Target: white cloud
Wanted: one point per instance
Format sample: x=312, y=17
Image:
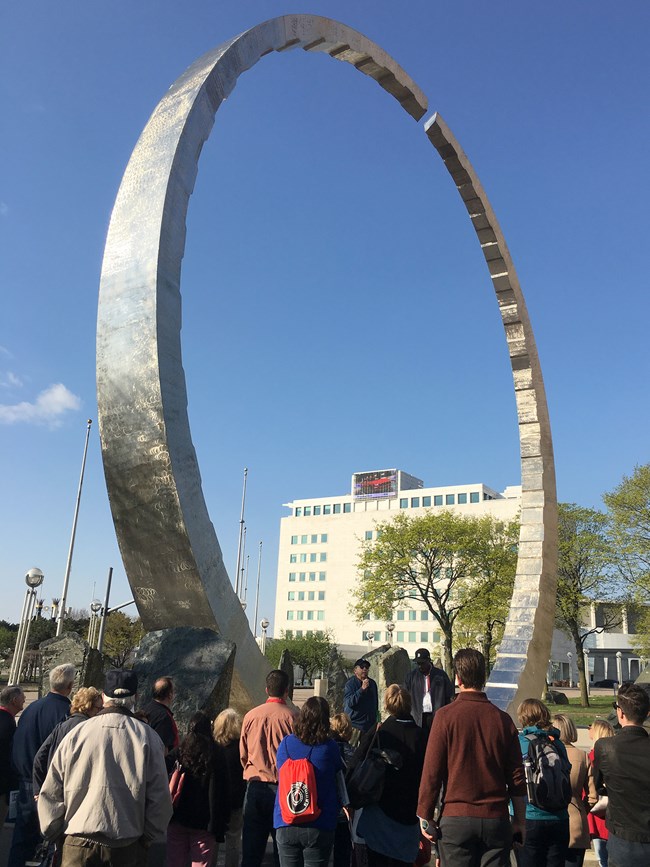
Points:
x=10, y=380
x=48, y=407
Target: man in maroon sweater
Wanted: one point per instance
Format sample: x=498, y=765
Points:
x=473, y=757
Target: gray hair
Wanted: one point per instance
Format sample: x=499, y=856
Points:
x=9, y=693
x=127, y=701
x=62, y=677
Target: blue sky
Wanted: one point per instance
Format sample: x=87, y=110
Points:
x=338, y=315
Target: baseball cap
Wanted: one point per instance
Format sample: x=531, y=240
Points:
x=422, y=653
x=120, y=683
x=362, y=663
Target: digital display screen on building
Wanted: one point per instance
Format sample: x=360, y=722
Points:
x=374, y=486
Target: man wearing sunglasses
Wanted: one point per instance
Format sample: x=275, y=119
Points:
x=623, y=764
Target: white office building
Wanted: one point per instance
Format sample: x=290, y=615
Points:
x=320, y=545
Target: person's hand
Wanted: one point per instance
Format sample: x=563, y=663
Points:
x=518, y=834
x=429, y=830
x=365, y=683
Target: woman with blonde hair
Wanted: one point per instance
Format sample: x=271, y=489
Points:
x=599, y=728
x=86, y=703
x=547, y=833
x=226, y=731
x=582, y=778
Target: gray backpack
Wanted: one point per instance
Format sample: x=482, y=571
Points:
x=548, y=774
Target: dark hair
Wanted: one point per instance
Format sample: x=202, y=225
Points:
x=312, y=725
x=634, y=701
x=277, y=683
x=162, y=688
x=469, y=665
x=196, y=753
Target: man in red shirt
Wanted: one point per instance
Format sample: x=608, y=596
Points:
x=262, y=730
x=473, y=757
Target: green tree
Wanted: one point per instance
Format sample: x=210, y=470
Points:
x=629, y=509
x=488, y=595
x=430, y=558
x=311, y=653
x=585, y=574
x=122, y=636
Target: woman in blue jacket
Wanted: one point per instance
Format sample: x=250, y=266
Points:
x=310, y=843
x=547, y=833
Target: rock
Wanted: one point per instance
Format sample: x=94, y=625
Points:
x=199, y=662
x=72, y=648
x=336, y=680
x=286, y=665
x=555, y=697
x=388, y=665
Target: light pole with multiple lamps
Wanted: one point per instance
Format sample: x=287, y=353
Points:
x=390, y=627
x=33, y=579
x=569, y=656
x=95, y=618
x=264, y=623
x=585, y=651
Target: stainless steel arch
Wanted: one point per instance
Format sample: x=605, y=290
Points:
x=170, y=550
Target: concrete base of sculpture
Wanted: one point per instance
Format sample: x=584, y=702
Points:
x=388, y=665
x=199, y=662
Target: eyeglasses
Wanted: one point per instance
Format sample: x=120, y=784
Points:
x=616, y=705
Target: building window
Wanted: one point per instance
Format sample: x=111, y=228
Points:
x=303, y=558
x=312, y=576
x=291, y=595
x=411, y=634
x=289, y=615
x=424, y=615
x=404, y=503
x=307, y=511
x=288, y=633
x=293, y=558
x=312, y=557
x=310, y=596
x=300, y=615
x=415, y=502
x=450, y=499
x=424, y=637
x=435, y=637
x=298, y=633
x=400, y=637
x=316, y=510
x=437, y=500
x=320, y=615
x=310, y=615
x=400, y=615
x=298, y=512
x=294, y=540
x=323, y=538
x=327, y=510
x=292, y=576
x=321, y=576
x=462, y=499
x=303, y=539
x=337, y=508
x=302, y=575
x=473, y=497
x=323, y=557
x=413, y=615
x=301, y=596
x=347, y=507
x=368, y=535
x=314, y=538
x=426, y=501
x=413, y=593
x=321, y=595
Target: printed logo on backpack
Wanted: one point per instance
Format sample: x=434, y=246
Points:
x=297, y=792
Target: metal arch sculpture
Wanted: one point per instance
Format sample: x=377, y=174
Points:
x=168, y=543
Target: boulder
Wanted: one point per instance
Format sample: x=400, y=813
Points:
x=72, y=648
x=555, y=697
x=199, y=662
x=388, y=664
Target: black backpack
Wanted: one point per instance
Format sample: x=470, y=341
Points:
x=548, y=774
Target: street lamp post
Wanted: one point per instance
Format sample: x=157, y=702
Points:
x=569, y=656
x=33, y=579
x=93, y=627
x=390, y=626
x=619, y=667
x=264, y=623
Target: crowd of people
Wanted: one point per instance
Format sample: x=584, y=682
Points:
x=444, y=776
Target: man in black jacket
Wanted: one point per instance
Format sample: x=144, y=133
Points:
x=159, y=713
x=430, y=689
x=12, y=701
x=624, y=763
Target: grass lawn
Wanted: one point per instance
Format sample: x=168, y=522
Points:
x=599, y=706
